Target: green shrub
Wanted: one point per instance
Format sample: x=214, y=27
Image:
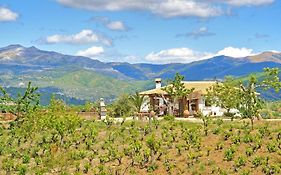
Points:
x=169, y=165
x=218, y=122
x=236, y=139
x=25, y=158
x=271, y=169
x=169, y=117
x=249, y=151
x=272, y=146
x=87, y=166
x=257, y=161
x=241, y=161
x=245, y=172
x=216, y=130
x=22, y=169
x=8, y=165
x=247, y=138
x=264, y=131
x=229, y=154
x=152, y=168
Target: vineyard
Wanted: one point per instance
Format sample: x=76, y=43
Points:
x=56, y=141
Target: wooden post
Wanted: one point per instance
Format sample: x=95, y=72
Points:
x=197, y=105
x=152, y=102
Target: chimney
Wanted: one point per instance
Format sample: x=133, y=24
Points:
x=102, y=109
x=158, y=83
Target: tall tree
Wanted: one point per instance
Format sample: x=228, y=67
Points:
x=177, y=91
x=137, y=101
x=250, y=100
x=224, y=95
x=122, y=107
x=243, y=96
x=22, y=104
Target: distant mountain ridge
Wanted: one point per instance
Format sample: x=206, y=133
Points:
x=88, y=79
x=216, y=67
x=31, y=58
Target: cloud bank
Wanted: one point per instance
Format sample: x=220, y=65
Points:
x=166, y=8
x=187, y=55
x=176, y=55
x=235, y=52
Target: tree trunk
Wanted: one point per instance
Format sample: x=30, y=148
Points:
x=252, y=123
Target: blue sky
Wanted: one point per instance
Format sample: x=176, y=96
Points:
x=156, y=31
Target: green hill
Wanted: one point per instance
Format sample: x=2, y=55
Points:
x=77, y=83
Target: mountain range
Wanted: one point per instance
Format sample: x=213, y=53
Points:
x=77, y=78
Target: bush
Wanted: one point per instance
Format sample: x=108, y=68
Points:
x=241, y=161
x=271, y=169
x=229, y=154
x=272, y=146
x=257, y=161
x=8, y=165
x=152, y=168
x=25, y=158
x=249, y=151
x=169, y=117
x=266, y=114
x=245, y=172
x=22, y=169
x=121, y=108
x=229, y=115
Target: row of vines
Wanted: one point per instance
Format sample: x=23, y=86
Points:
x=56, y=141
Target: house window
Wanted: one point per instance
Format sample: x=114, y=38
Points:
x=193, y=107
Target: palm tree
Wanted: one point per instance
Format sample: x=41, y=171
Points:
x=137, y=101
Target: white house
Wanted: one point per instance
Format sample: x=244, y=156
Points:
x=192, y=103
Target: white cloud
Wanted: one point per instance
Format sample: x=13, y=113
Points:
x=167, y=8
x=201, y=32
x=173, y=8
x=180, y=55
x=235, y=52
x=7, y=15
x=116, y=25
x=84, y=37
x=91, y=52
x=112, y=25
x=248, y=2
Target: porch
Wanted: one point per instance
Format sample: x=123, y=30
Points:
x=184, y=107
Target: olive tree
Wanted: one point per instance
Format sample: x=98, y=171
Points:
x=224, y=95
x=243, y=96
x=249, y=98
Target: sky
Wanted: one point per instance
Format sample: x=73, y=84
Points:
x=152, y=31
